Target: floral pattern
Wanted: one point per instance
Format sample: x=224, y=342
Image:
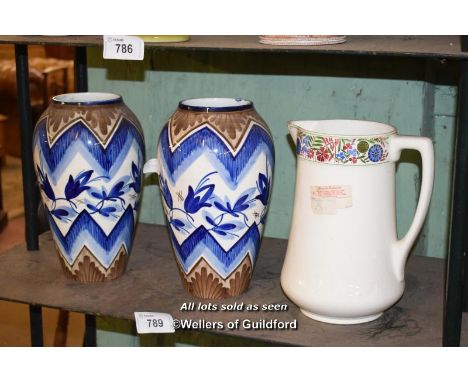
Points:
x=80, y=191
x=336, y=150
x=223, y=216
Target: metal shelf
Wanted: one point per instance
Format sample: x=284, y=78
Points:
x=152, y=283
x=410, y=46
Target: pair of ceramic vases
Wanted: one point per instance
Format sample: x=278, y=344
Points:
x=215, y=160
x=215, y=166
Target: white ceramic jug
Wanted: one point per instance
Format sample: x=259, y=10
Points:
x=344, y=263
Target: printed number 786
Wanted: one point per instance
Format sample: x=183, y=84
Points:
x=124, y=48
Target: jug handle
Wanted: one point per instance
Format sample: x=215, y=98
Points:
x=425, y=147
x=293, y=132
x=151, y=166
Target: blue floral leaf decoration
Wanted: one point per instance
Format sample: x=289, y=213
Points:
x=166, y=193
x=116, y=191
x=178, y=222
x=47, y=188
x=71, y=188
x=135, y=171
x=197, y=200
x=97, y=195
x=263, y=186
x=226, y=226
x=189, y=199
x=84, y=177
x=136, y=185
x=222, y=233
x=107, y=211
x=210, y=220
x=45, y=184
x=75, y=187
x=207, y=195
x=239, y=206
x=59, y=213
x=92, y=208
x=220, y=207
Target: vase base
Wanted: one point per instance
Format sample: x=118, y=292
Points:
x=204, y=282
x=341, y=320
x=86, y=268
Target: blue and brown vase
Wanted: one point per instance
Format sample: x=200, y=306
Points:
x=88, y=154
x=215, y=160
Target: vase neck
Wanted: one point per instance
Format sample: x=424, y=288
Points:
x=209, y=105
x=87, y=98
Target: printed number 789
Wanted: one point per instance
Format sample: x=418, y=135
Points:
x=155, y=323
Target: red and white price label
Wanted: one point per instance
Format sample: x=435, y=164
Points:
x=152, y=322
x=123, y=48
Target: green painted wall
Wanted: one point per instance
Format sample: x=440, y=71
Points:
x=416, y=96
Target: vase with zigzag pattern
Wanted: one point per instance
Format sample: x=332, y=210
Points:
x=88, y=151
x=215, y=160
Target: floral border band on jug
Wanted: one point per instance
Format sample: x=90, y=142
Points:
x=338, y=150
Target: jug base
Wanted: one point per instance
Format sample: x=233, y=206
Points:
x=341, y=320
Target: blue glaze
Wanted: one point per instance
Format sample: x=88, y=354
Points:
x=101, y=243
x=68, y=144
x=234, y=166
x=205, y=221
x=92, y=202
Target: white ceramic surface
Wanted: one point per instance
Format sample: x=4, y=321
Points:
x=344, y=263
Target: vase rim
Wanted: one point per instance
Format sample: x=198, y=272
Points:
x=87, y=98
x=215, y=104
x=344, y=128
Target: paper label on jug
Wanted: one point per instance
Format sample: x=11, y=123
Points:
x=327, y=200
